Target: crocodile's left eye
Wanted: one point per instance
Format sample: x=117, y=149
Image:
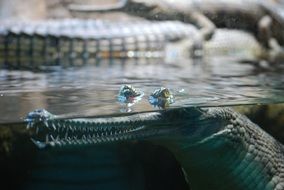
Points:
x=165, y=93
x=129, y=95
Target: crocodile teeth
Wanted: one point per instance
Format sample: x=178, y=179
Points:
x=30, y=125
x=45, y=123
x=85, y=141
x=71, y=128
x=49, y=125
x=53, y=126
x=38, y=143
x=69, y=141
x=52, y=143
x=46, y=139
x=37, y=130
x=66, y=134
x=53, y=139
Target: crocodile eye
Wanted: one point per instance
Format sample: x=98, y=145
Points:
x=129, y=87
x=129, y=95
x=126, y=90
x=165, y=93
x=161, y=98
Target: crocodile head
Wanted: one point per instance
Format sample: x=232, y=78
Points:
x=50, y=130
x=166, y=124
x=162, y=125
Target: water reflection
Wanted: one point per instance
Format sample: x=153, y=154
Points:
x=92, y=89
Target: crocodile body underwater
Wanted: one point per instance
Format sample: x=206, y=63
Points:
x=217, y=148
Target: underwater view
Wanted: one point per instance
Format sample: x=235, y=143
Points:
x=156, y=97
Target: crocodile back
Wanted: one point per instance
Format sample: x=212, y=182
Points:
x=75, y=41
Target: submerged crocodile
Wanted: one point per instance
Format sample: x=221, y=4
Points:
x=75, y=41
x=216, y=147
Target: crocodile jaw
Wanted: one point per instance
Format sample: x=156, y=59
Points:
x=52, y=131
x=167, y=125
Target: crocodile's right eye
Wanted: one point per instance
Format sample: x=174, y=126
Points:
x=129, y=95
x=165, y=93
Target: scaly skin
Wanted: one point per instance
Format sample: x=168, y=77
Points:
x=228, y=14
x=31, y=46
x=217, y=147
x=262, y=18
x=71, y=41
x=236, y=44
x=238, y=14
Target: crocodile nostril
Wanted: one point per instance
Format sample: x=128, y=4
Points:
x=38, y=115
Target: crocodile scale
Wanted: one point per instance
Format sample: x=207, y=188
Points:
x=76, y=41
x=218, y=148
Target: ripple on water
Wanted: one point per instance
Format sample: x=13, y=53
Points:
x=93, y=90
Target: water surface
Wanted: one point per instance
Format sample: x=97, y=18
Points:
x=93, y=89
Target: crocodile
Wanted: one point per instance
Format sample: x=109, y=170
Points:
x=217, y=147
x=43, y=44
x=78, y=41
x=260, y=17
x=39, y=45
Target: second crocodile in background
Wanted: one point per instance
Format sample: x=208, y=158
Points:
x=262, y=18
x=78, y=42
